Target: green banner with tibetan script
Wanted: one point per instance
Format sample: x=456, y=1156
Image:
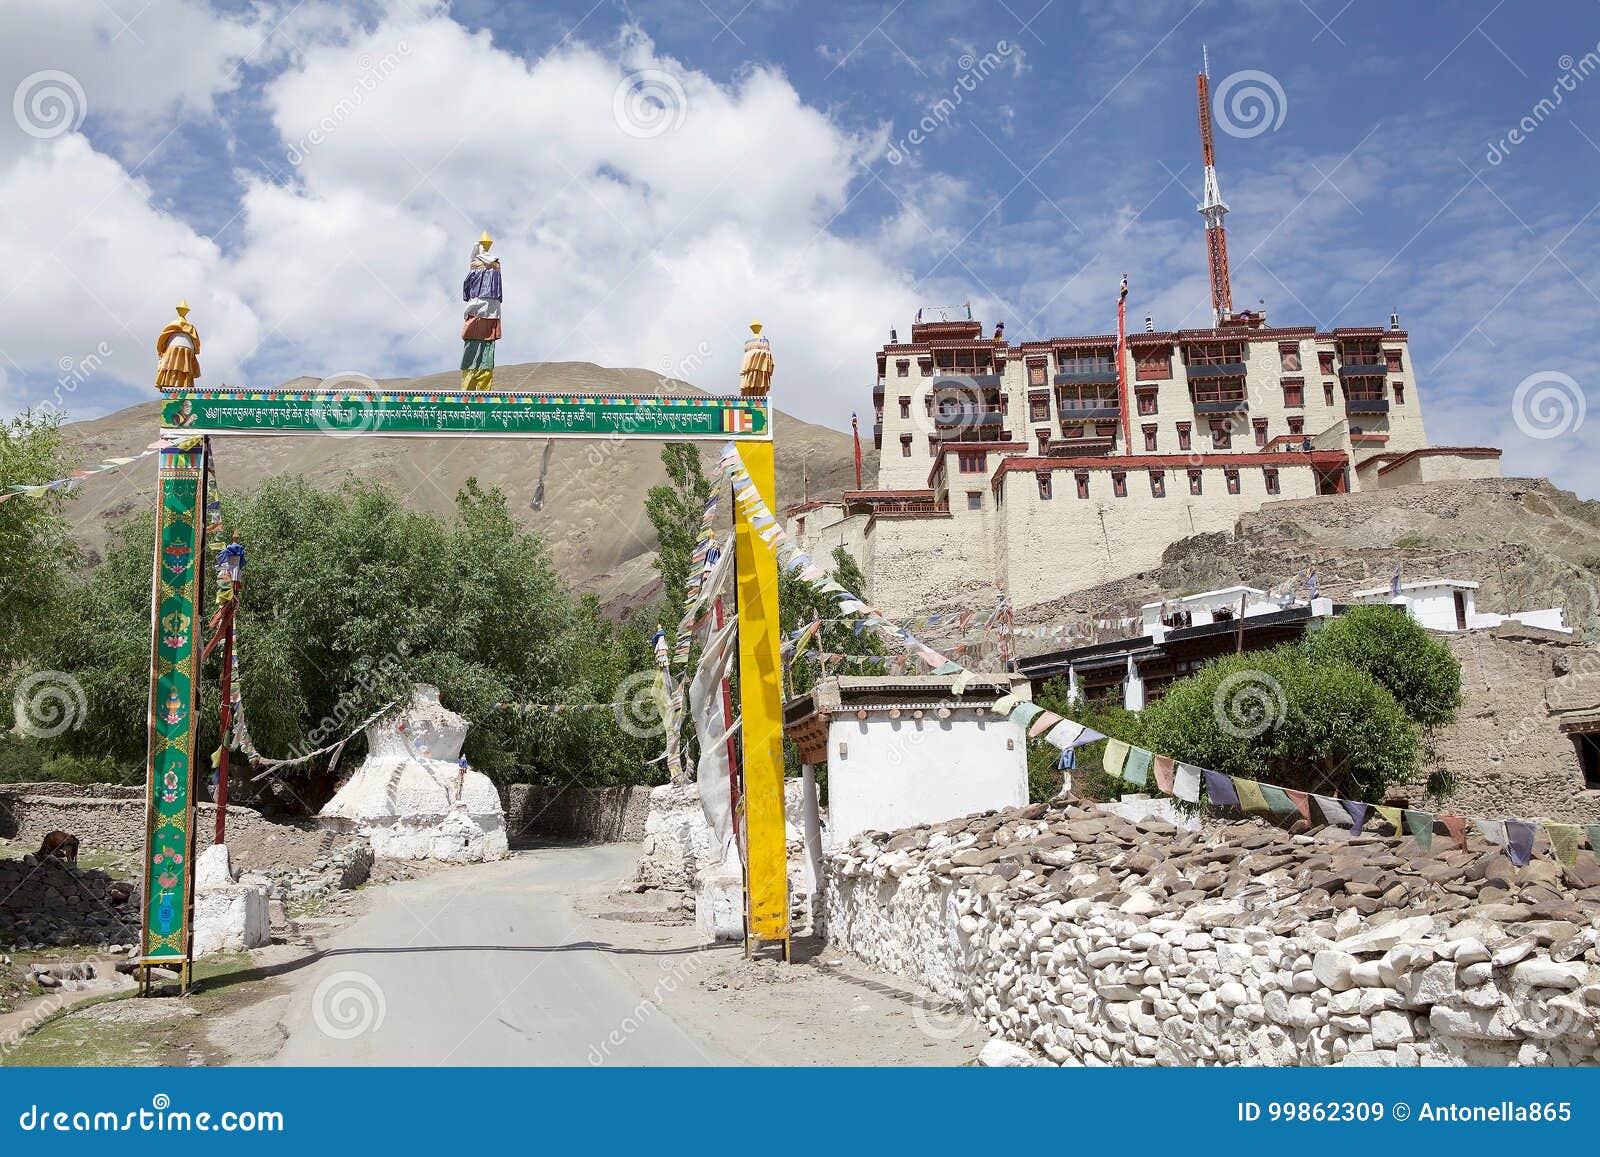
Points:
x=345, y=413
x=174, y=700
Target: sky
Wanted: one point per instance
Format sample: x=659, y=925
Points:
x=311, y=176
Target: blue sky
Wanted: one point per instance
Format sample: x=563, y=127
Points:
x=311, y=176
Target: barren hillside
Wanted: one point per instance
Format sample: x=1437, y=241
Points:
x=593, y=513
x=1529, y=544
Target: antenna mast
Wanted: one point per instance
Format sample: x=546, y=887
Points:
x=1213, y=208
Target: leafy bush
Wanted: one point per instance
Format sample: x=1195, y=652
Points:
x=1388, y=645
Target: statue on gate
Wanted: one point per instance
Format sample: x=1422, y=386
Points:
x=755, y=373
x=179, y=349
x=480, y=327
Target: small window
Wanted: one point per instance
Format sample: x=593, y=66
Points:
x=1036, y=373
x=799, y=527
x=1222, y=435
x=1232, y=477
x=1289, y=357
x=1044, y=440
x=1327, y=393
x=905, y=445
x=905, y=407
x=1044, y=486
x=1158, y=483
x=1588, y=746
x=1119, y=484
x=1149, y=437
x=1147, y=402
x=927, y=404
x=1325, y=361
x=926, y=367
x=1038, y=409
x=1399, y=393
x=974, y=500
x=1391, y=360
x=1260, y=425
x=1152, y=365
x=903, y=368
x=1082, y=477
x=1294, y=393
x=1297, y=425
x=1271, y=477
x=1183, y=435
x=1195, y=481
x=972, y=461
x=1005, y=403
x=933, y=446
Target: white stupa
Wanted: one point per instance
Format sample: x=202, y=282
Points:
x=412, y=799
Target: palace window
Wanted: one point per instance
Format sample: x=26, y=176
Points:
x=1183, y=435
x=927, y=404
x=1158, y=484
x=905, y=406
x=1194, y=481
x=1044, y=486
x=1149, y=437
x=1297, y=425
x=1044, y=440
x=1399, y=393
x=1039, y=408
x=1036, y=374
x=1147, y=401
x=1289, y=357
x=972, y=461
x=1152, y=365
x=905, y=445
x=1222, y=435
x=1082, y=477
x=1119, y=484
x=974, y=500
x=903, y=368
x=926, y=366
x=1271, y=477
x=1327, y=393
x=1260, y=425
x=1294, y=392
x=933, y=446
x=1325, y=361
x=1232, y=478
x=1391, y=360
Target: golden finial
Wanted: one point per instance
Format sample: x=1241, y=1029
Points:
x=486, y=241
x=755, y=328
x=183, y=308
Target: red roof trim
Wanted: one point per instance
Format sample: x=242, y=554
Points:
x=1280, y=460
x=1432, y=452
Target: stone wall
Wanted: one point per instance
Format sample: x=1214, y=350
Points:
x=593, y=815
x=54, y=903
x=1505, y=747
x=1095, y=941
x=104, y=822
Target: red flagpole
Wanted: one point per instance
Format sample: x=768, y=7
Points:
x=1122, y=375
x=855, y=429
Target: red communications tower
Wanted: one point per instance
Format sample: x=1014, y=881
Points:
x=1213, y=208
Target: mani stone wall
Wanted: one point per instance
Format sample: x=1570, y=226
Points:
x=105, y=821
x=591, y=815
x=55, y=903
x=1095, y=941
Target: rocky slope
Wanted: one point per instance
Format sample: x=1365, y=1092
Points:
x=593, y=513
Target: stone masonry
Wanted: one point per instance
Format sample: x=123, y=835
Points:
x=1095, y=941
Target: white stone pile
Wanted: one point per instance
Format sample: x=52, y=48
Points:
x=1093, y=941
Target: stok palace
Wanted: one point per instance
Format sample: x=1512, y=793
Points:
x=1030, y=470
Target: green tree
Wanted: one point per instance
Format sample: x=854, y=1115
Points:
x=799, y=602
x=36, y=548
x=1089, y=780
x=675, y=511
x=1388, y=645
x=1279, y=717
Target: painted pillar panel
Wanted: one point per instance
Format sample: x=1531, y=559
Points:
x=174, y=699
x=760, y=693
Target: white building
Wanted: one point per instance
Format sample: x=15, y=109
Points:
x=1450, y=605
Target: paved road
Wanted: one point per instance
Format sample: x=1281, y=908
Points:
x=484, y=966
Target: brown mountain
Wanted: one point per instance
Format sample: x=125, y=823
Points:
x=592, y=516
